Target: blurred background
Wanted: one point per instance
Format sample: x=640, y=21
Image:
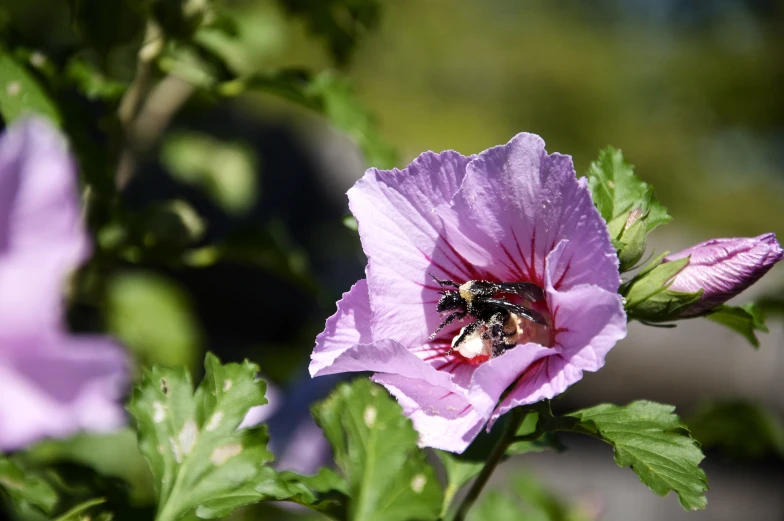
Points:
x=228, y=228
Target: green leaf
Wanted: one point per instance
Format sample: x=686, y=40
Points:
x=325, y=492
x=199, y=460
x=154, y=318
x=746, y=320
x=341, y=23
x=657, y=213
x=523, y=498
x=461, y=468
x=24, y=488
x=167, y=227
x=91, y=82
x=245, y=38
x=654, y=442
x=332, y=95
x=627, y=204
x=75, y=514
x=112, y=455
x=495, y=506
x=375, y=446
x=226, y=172
x=616, y=191
x=459, y=471
x=342, y=108
x=21, y=94
x=741, y=429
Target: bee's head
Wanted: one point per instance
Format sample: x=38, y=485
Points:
x=451, y=301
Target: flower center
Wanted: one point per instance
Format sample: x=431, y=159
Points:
x=485, y=339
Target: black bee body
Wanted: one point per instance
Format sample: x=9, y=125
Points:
x=479, y=300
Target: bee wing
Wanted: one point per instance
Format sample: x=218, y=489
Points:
x=524, y=289
x=511, y=307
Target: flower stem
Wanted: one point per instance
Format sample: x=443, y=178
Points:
x=517, y=416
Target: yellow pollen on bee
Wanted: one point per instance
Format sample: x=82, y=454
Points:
x=474, y=344
x=465, y=291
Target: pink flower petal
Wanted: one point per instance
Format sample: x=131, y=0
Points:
x=41, y=235
x=386, y=356
x=519, y=203
x=511, y=214
x=722, y=268
x=349, y=326
x=401, y=216
x=588, y=320
x=55, y=385
x=444, y=419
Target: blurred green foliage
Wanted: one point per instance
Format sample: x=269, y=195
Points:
x=198, y=235
x=741, y=429
x=523, y=498
x=690, y=94
x=154, y=318
x=225, y=171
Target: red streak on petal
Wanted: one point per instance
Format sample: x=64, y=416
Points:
x=445, y=365
x=557, y=285
x=522, y=257
x=531, y=371
x=467, y=266
x=534, y=278
x=517, y=269
x=433, y=357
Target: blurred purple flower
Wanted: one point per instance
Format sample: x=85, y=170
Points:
x=722, y=268
x=511, y=213
x=51, y=383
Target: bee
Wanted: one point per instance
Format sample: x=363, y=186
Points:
x=495, y=317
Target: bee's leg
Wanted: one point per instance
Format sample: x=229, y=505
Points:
x=497, y=333
x=470, y=328
x=451, y=318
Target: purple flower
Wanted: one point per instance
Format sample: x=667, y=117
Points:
x=510, y=214
x=722, y=268
x=51, y=383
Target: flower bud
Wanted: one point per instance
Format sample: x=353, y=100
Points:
x=722, y=268
x=632, y=240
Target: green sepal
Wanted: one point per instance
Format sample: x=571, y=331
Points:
x=648, y=297
x=632, y=242
x=746, y=320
